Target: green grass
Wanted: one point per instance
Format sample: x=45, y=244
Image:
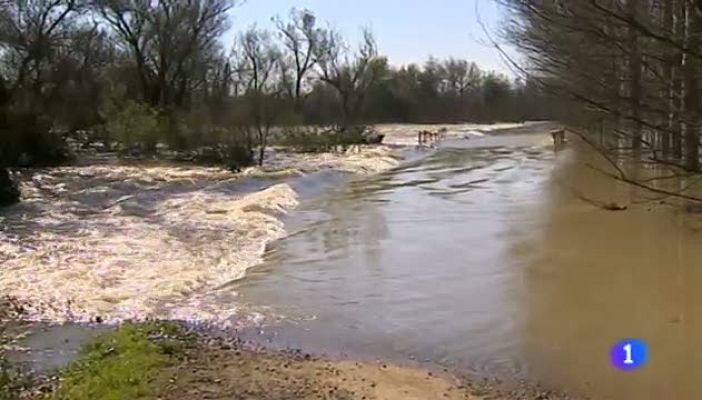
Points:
x=121, y=365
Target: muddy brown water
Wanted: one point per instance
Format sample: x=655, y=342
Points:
x=483, y=258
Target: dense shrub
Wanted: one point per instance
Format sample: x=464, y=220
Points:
x=237, y=149
x=233, y=157
x=137, y=127
x=315, y=140
x=218, y=146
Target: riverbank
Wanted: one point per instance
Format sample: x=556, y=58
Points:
x=229, y=368
x=177, y=361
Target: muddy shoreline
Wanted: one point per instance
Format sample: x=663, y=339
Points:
x=343, y=376
x=247, y=362
x=273, y=340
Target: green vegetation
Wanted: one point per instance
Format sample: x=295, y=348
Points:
x=121, y=365
x=135, y=124
x=316, y=140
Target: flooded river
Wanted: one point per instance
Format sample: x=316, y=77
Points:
x=483, y=258
x=486, y=257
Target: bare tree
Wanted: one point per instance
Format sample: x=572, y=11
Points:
x=634, y=70
x=258, y=65
x=300, y=38
x=691, y=71
x=350, y=74
x=30, y=31
x=633, y=65
x=168, y=40
x=676, y=62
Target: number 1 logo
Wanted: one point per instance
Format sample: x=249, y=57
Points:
x=629, y=354
x=627, y=349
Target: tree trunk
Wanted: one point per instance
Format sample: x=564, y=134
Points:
x=678, y=84
x=345, y=111
x=262, y=143
x=693, y=113
x=298, y=93
x=634, y=64
x=261, y=153
x=668, y=92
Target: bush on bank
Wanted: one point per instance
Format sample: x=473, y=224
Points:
x=319, y=140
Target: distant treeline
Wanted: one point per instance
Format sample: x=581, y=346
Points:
x=143, y=73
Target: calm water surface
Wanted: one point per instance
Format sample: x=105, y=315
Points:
x=483, y=258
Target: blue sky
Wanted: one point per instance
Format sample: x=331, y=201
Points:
x=406, y=30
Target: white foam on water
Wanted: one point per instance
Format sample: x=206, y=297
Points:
x=406, y=134
x=159, y=242
x=473, y=133
x=147, y=254
x=360, y=160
